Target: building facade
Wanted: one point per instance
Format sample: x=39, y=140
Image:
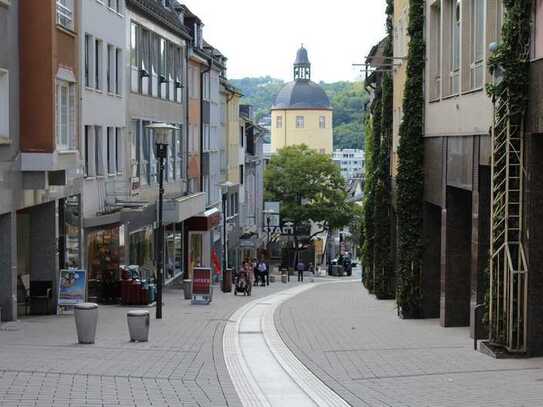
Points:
x=350, y=162
x=40, y=191
x=301, y=112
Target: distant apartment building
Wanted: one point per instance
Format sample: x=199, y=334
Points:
x=350, y=162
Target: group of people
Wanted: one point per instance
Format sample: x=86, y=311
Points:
x=257, y=271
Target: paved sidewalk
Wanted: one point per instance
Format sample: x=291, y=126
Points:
x=358, y=347
x=181, y=365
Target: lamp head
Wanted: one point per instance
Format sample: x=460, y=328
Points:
x=161, y=131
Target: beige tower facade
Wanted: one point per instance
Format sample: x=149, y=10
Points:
x=301, y=113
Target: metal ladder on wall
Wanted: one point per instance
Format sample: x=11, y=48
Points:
x=508, y=267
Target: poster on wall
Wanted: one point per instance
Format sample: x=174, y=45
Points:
x=201, y=285
x=72, y=287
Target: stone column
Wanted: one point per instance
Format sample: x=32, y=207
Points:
x=8, y=267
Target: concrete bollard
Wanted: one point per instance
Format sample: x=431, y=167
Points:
x=86, y=318
x=187, y=288
x=138, y=325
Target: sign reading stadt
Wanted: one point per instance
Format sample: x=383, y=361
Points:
x=201, y=285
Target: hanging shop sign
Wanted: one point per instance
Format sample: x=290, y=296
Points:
x=201, y=285
x=72, y=287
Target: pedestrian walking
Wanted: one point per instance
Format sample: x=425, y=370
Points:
x=300, y=267
x=248, y=269
x=264, y=272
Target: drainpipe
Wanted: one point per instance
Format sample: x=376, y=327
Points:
x=187, y=129
x=210, y=64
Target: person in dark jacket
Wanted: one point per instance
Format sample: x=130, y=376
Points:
x=300, y=268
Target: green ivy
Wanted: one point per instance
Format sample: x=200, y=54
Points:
x=373, y=144
x=383, y=264
x=410, y=179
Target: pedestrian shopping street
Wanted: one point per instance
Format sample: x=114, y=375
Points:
x=355, y=346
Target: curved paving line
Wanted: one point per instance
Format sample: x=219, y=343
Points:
x=249, y=391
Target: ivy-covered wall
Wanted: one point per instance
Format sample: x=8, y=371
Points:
x=383, y=263
x=410, y=179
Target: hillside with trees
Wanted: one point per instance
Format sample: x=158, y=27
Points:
x=348, y=100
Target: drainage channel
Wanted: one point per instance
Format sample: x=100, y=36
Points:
x=263, y=369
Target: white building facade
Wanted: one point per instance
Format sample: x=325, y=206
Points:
x=350, y=161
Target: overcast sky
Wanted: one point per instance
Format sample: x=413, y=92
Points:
x=261, y=37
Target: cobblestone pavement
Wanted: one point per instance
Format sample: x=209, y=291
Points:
x=358, y=347
x=181, y=365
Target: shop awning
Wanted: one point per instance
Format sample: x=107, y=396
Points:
x=184, y=207
x=205, y=221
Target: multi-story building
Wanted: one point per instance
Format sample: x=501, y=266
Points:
x=350, y=162
x=40, y=174
x=10, y=179
x=231, y=189
x=252, y=184
x=301, y=112
x=457, y=156
x=103, y=129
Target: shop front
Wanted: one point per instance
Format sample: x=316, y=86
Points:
x=201, y=231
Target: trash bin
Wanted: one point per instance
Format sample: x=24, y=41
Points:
x=138, y=325
x=86, y=317
x=187, y=288
x=284, y=278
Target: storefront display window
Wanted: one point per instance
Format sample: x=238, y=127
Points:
x=174, y=251
x=70, y=228
x=142, y=253
x=195, y=251
x=105, y=255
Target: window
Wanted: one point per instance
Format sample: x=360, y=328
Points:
x=145, y=56
x=65, y=115
x=163, y=70
x=118, y=70
x=241, y=136
x=114, y=5
x=178, y=75
x=478, y=45
x=322, y=122
x=87, y=150
x=241, y=174
x=118, y=151
x=98, y=64
x=65, y=13
x=155, y=44
x=88, y=60
x=110, y=149
x=134, y=58
x=435, y=51
x=455, y=47
x=4, y=103
x=171, y=71
x=299, y=122
x=279, y=122
x=110, y=69
x=99, y=151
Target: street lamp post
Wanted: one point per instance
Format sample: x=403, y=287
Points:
x=161, y=132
